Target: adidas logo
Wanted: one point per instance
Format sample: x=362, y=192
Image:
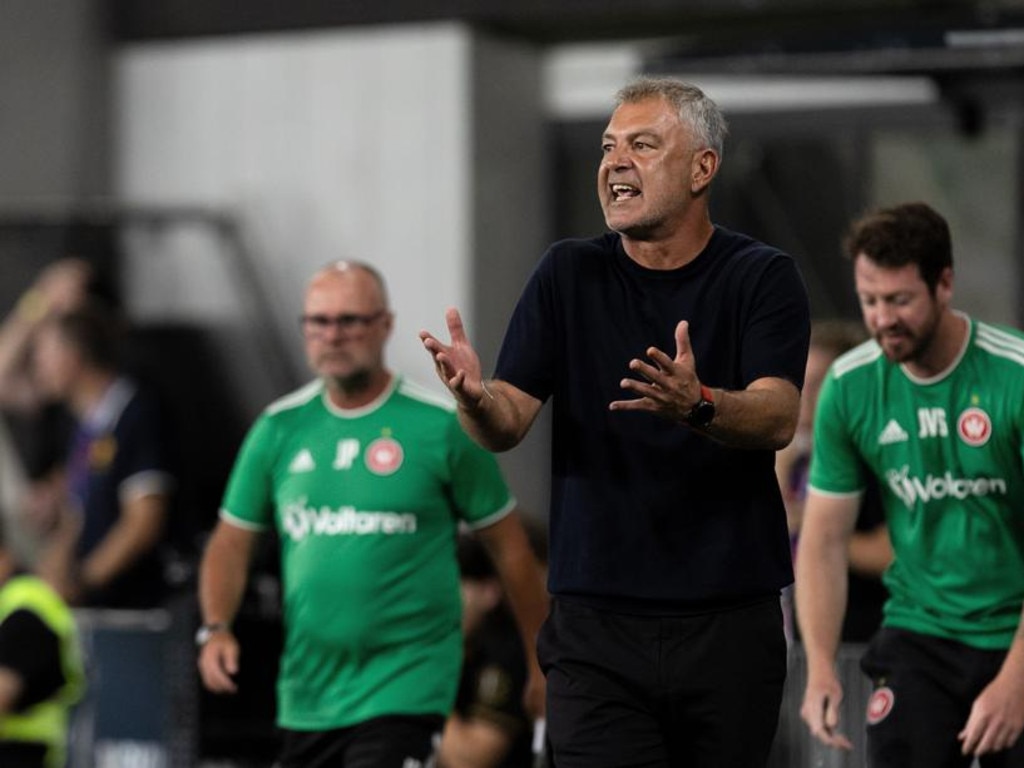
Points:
x=303, y=462
x=893, y=433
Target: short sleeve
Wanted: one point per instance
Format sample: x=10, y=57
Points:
x=479, y=492
x=528, y=352
x=836, y=465
x=777, y=334
x=248, y=499
x=143, y=463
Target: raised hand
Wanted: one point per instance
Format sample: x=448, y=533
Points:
x=667, y=386
x=64, y=284
x=457, y=364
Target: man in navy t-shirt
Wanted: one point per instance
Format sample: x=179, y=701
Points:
x=673, y=351
x=105, y=552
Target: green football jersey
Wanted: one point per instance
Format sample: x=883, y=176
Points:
x=366, y=503
x=949, y=454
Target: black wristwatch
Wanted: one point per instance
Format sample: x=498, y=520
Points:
x=701, y=415
x=205, y=632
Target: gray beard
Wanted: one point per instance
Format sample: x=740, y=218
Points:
x=354, y=384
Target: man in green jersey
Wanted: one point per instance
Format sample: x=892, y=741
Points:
x=365, y=477
x=933, y=406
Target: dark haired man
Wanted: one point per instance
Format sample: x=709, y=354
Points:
x=933, y=407
x=118, y=478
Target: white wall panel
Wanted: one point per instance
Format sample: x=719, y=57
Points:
x=328, y=145
x=417, y=148
x=53, y=102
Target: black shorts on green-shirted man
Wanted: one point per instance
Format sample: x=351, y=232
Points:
x=394, y=741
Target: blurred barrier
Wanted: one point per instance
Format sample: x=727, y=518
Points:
x=794, y=747
x=140, y=708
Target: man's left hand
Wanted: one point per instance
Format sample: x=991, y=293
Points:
x=996, y=719
x=668, y=386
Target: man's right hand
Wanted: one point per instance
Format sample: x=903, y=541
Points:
x=218, y=662
x=64, y=284
x=820, y=710
x=457, y=364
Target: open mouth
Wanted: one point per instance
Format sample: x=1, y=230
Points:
x=622, y=192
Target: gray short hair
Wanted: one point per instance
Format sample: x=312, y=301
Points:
x=345, y=265
x=693, y=105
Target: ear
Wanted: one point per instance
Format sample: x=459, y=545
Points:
x=703, y=169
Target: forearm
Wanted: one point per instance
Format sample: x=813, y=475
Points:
x=522, y=579
x=11, y=686
x=821, y=593
x=15, y=335
x=870, y=552
x=1013, y=664
x=223, y=575
x=472, y=744
x=501, y=418
x=133, y=536
x=14, y=338
x=528, y=599
x=763, y=416
x=221, y=589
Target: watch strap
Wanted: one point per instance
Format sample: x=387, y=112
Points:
x=206, y=631
x=703, y=411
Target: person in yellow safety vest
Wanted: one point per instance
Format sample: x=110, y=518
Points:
x=41, y=672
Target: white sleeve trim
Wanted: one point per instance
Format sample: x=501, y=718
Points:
x=238, y=522
x=836, y=494
x=491, y=519
x=146, y=483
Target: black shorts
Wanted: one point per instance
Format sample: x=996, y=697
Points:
x=924, y=687
x=627, y=691
x=395, y=741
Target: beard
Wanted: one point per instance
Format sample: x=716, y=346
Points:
x=352, y=383
x=909, y=347
x=343, y=371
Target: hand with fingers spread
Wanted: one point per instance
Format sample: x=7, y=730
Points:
x=668, y=386
x=457, y=363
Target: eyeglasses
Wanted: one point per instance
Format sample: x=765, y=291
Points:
x=349, y=324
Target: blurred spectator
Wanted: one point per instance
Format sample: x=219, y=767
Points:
x=36, y=430
x=489, y=727
x=118, y=482
x=870, y=551
x=41, y=674
x=60, y=288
